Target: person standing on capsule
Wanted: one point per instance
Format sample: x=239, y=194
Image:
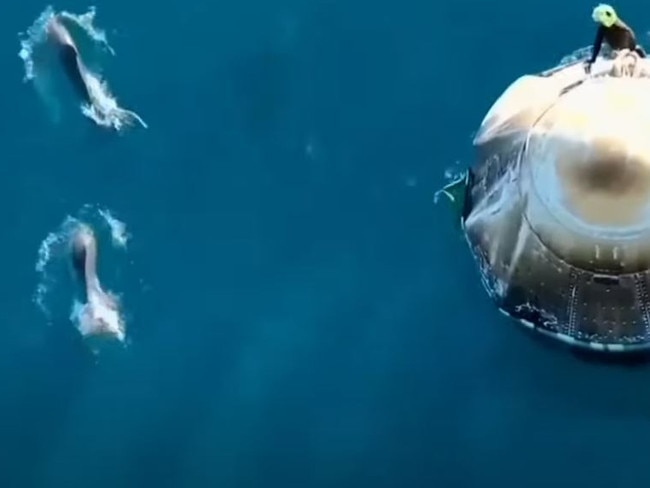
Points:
x=612, y=30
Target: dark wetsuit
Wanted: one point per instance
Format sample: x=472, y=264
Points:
x=70, y=60
x=618, y=36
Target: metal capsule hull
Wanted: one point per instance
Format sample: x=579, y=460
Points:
x=558, y=217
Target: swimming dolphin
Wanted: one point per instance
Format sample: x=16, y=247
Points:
x=100, y=315
x=83, y=80
x=70, y=60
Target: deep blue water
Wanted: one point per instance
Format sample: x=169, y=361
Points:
x=301, y=314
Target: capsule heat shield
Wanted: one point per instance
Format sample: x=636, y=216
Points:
x=560, y=216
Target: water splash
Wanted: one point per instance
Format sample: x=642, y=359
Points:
x=104, y=110
x=41, y=67
x=86, y=22
x=84, y=316
x=581, y=54
x=119, y=235
x=53, y=290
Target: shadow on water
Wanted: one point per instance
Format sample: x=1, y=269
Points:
x=631, y=359
x=261, y=83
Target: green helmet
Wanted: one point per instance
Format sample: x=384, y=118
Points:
x=605, y=15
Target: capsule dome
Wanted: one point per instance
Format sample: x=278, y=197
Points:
x=558, y=203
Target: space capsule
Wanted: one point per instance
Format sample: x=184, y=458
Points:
x=556, y=208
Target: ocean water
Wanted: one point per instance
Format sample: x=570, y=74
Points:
x=298, y=312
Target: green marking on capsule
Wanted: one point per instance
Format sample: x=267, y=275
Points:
x=456, y=193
